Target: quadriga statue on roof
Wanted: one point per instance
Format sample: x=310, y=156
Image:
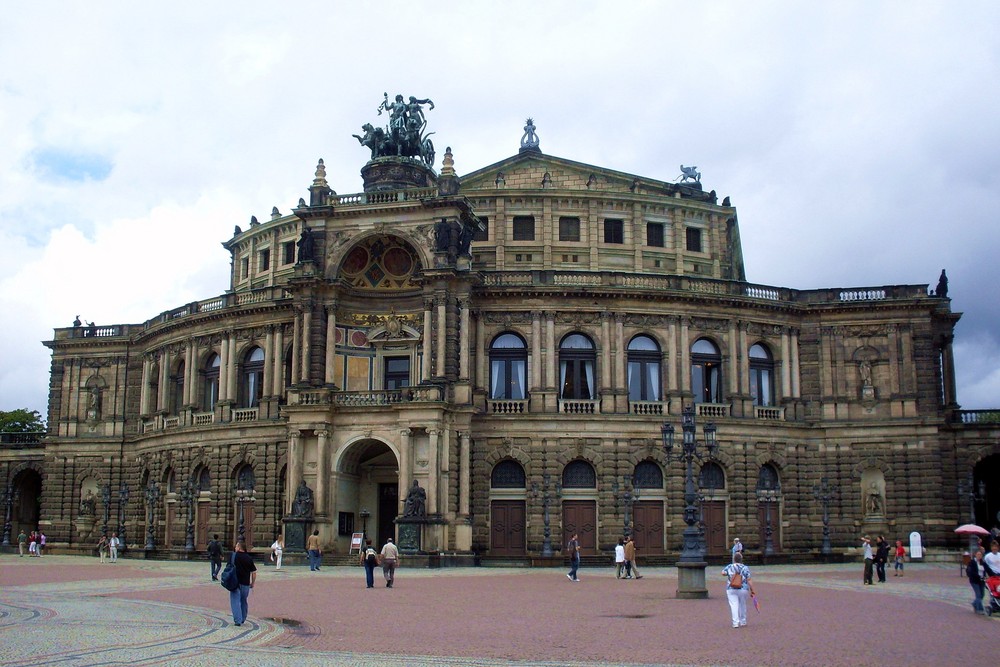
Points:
x=404, y=136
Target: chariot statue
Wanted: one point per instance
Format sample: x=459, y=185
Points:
x=405, y=135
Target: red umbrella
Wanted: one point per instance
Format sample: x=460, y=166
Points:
x=971, y=529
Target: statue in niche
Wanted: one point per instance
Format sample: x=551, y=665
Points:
x=416, y=502
x=307, y=246
x=302, y=506
x=88, y=505
x=865, y=369
x=874, y=503
x=94, y=404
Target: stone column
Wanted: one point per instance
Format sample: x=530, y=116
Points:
x=786, y=364
x=224, y=369
x=620, y=353
x=605, y=380
x=442, y=334
x=464, y=340
x=735, y=361
x=404, y=468
x=464, y=473
x=306, y=373
x=294, y=468
x=268, y=380
x=189, y=364
x=322, y=462
x=433, y=464
x=551, y=379
x=231, y=371
x=948, y=369
x=425, y=373
x=685, y=345
x=331, y=342
x=162, y=394
x=795, y=363
x=296, y=345
x=279, y=362
x=536, y=350
x=147, y=368
x=482, y=355
x=672, y=361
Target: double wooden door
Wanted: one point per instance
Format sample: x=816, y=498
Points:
x=580, y=517
x=647, y=527
x=714, y=516
x=507, y=527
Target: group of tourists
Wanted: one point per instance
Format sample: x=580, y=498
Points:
x=108, y=546
x=877, y=557
x=35, y=543
x=388, y=558
x=625, y=559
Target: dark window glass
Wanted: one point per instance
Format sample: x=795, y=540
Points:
x=706, y=371
x=211, y=385
x=508, y=367
x=712, y=476
x=345, y=523
x=654, y=234
x=761, y=376
x=289, y=252
x=178, y=398
x=693, y=239
x=648, y=476
x=767, y=478
x=643, y=369
x=524, y=228
x=614, y=231
x=397, y=373
x=508, y=475
x=245, y=478
x=569, y=229
x=245, y=267
x=252, y=386
x=579, y=475
x=576, y=367
x=484, y=234
x=204, y=480
x=265, y=260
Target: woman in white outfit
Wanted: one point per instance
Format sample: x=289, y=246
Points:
x=276, y=549
x=738, y=591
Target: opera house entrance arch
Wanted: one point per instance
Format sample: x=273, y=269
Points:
x=367, y=478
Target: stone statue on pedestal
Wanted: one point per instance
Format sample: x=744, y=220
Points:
x=416, y=502
x=302, y=506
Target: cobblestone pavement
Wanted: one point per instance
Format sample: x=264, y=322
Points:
x=70, y=611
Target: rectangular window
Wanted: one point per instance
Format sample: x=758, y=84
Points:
x=397, y=373
x=345, y=523
x=693, y=239
x=288, y=250
x=569, y=229
x=614, y=231
x=265, y=260
x=484, y=234
x=524, y=228
x=654, y=234
x=245, y=267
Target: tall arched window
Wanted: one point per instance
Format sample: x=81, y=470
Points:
x=648, y=475
x=170, y=480
x=177, y=400
x=245, y=478
x=204, y=478
x=712, y=476
x=153, y=388
x=508, y=367
x=576, y=367
x=579, y=475
x=252, y=384
x=706, y=372
x=507, y=474
x=643, y=369
x=210, y=395
x=761, y=375
x=767, y=478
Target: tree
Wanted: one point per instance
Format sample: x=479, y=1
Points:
x=21, y=421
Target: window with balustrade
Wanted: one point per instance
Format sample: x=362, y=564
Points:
x=210, y=382
x=508, y=367
x=577, y=358
x=761, y=375
x=252, y=378
x=706, y=372
x=177, y=394
x=508, y=474
x=643, y=369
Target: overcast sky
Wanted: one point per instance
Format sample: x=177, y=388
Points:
x=859, y=142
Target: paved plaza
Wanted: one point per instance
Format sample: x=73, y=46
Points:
x=70, y=610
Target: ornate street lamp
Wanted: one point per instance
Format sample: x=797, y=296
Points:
x=691, y=564
x=187, y=496
x=825, y=492
x=152, y=497
x=364, y=521
x=967, y=490
x=106, y=500
x=10, y=496
x=628, y=495
x=244, y=493
x=767, y=496
x=122, y=503
x=547, y=498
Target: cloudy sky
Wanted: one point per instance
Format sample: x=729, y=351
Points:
x=859, y=142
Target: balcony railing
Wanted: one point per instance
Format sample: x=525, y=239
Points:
x=648, y=407
x=767, y=412
x=712, y=410
x=991, y=417
x=20, y=440
x=506, y=407
x=245, y=414
x=203, y=418
x=579, y=407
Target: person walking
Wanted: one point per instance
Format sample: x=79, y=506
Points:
x=900, y=557
x=976, y=572
x=573, y=548
x=113, y=545
x=215, y=556
x=738, y=586
x=881, y=557
x=630, y=564
x=22, y=542
x=246, y=575
x=41, y=543
x=867, y=546
x=737, y=547
x=277, y=547
x=369, y=559
x=390, y=558
x=619, y=558
x=992, y=560
x=312, y=546
x=102, y=548
x=33, y=544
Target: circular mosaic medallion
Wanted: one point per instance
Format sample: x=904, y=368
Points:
x=356, y=261
x=397, y=262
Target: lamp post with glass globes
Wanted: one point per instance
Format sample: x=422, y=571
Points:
x=364, y=519
x=691, y=564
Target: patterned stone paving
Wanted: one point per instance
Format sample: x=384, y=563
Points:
x=71, y=611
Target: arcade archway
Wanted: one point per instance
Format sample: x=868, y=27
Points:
x=367, y=491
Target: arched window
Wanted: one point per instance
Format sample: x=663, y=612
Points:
x=508, y=367
x=507, y=475
x=576, y=367
x=767, y=478
x=643, y=369
x=169, y=480
x=204, y=479
x=210, y=396
x=706, y=372
x=288, y=367
x=712, y=476
x=245, y=478
x=579, y=475
x=252, y=385
x=153, y=388
x=648, y=476
x=761, y=375
x=177, y=399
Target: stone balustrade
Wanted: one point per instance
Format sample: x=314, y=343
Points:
x=506, y=407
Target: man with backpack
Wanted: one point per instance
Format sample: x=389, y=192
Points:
x=215, y=556
x=369, y=559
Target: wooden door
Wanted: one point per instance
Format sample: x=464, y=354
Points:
x=170, y=525
x=201, y=526
x=714, y=512
x=388, y=505
x=580, y=517
x=507, y=527
x=647, y=527
x=248, y=517
x=764, y=512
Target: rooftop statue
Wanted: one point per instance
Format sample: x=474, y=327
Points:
x=690, y=174
x=405, y=134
